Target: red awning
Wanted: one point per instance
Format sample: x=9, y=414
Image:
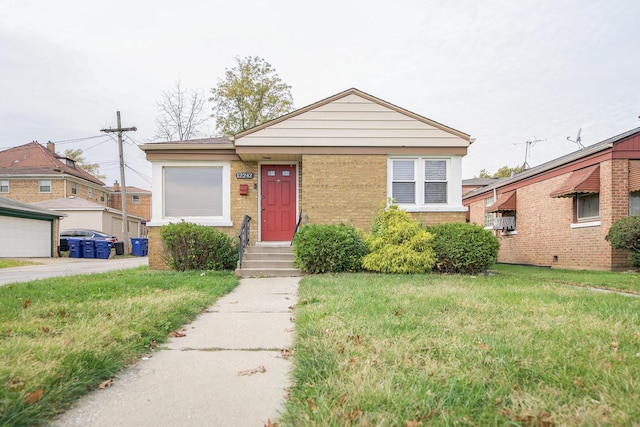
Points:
x=583, y=181
x=634, y=175
x=505, y=202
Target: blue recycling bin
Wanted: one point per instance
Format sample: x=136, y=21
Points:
x=139, y=246
x=103, y=249
x=75, y=248
x=88, y=249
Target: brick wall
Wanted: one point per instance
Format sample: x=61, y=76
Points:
x=543, y=229
x=433, y=218
x=157, y=260
x=244, y=205
x=26, y=190
x=142, y=209
x=56, y=239
x=343, y=188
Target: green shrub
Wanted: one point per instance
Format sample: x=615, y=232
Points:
x=328, y=248
x=625, y=234
x=463, y=248
x=398, y=244
x=196, y=247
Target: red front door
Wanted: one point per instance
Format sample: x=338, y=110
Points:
x=278, y=202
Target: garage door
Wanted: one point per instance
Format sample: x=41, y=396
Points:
x=22, y=237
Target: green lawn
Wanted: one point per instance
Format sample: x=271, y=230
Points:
x=516, y=348
x=62, y=337
x=6, y=263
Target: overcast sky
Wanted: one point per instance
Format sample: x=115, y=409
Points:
x=504, y=71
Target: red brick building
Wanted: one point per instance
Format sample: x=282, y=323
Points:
x=558, y=214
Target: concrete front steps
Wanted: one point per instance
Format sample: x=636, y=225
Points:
x=268, y=260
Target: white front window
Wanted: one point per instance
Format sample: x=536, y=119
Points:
x=4, y=186
x=489, y=216
x=425, y=183
x=197, y=192
x=44, y=186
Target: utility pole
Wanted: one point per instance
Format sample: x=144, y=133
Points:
x=123, y=191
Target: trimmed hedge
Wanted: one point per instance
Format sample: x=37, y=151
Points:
x=328, y=248
x=197, y=247
x=463, y=248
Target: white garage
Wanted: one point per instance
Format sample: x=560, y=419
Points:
x=26, y=231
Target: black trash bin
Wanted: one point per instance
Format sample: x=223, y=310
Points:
x=119, y=248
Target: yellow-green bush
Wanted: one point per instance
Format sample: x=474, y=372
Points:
x=398, y=244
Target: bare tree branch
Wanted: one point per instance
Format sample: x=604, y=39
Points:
x=181, y=114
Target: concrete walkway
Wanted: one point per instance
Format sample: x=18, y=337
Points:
x=227, y=371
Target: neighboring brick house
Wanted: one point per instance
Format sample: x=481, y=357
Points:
x=558, y=214
x=337, y=160
x=138, y=200
x=34, y=173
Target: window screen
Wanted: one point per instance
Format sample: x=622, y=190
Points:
x=588, y=206
x=192, y=191
x=4, y=186
x=44, y=186
x=634, y=203
x=403, y=186
x=435, y=185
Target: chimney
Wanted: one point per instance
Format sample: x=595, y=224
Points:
x=51, y=147
x=116, y=186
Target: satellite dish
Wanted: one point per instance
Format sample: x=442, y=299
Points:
x=577, y=140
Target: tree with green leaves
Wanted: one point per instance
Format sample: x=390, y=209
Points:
x=503, y=172
x=250, y=94
x=76, y=156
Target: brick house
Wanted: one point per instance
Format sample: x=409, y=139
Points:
x=558, y=214
x=33, y=173
x=337, y=160
x=138, y=201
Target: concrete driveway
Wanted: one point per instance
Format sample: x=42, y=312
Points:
x=44, y=268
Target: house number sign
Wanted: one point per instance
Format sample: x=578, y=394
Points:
x=244, y=175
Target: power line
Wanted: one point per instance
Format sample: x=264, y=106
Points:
x=69, y=141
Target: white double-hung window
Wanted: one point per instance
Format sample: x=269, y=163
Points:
x=419, y=182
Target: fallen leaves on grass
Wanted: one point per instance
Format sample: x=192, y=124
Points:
x=312, y=405
x=271, y=424
x=34, y=396
x=177, y=334
x=261, y=369
x=27, y=303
